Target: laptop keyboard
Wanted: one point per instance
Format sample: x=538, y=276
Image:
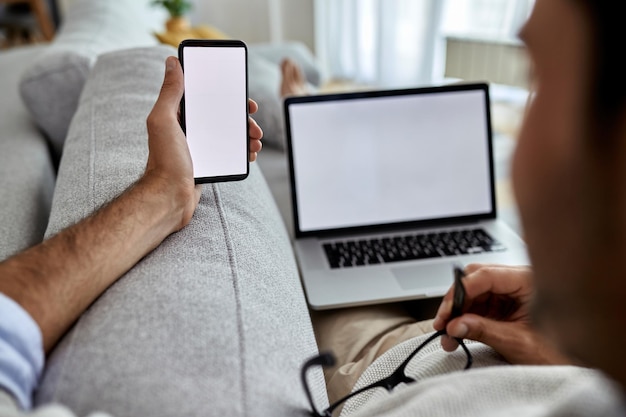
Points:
x=350, y=253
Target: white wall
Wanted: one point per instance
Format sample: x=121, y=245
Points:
x=253, y=20
x=259, y=20
x=298, y=21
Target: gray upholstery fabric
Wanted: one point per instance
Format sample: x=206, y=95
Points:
x=52, y=85
x=214, y=321
x=26, y=171
x=263, y=87
x=275, y=169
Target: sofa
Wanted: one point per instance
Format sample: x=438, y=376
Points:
x=212, y=322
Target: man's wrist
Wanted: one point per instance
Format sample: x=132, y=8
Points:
x=174, y=202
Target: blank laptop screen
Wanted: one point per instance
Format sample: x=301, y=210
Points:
x=391, y=159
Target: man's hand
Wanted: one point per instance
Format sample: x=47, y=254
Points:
x=169, y=162
x=255, y=133
x=496, y=312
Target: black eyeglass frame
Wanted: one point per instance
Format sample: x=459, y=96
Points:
x=398, y=376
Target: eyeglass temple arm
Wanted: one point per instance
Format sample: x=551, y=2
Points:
x=416, y=351
x=470, y=358
x=324, y=360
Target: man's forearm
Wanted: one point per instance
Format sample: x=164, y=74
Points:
x=58, y=279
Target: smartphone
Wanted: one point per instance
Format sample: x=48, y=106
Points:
x=214, y=108
x=458, y=298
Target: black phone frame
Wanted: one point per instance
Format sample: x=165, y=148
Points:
x=218, y=43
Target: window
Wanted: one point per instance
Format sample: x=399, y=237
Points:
x=491, y=19
x=397, y=43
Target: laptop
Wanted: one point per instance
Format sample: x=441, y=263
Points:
x=390, y=190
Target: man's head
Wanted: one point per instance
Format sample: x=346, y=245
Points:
x=569, y=173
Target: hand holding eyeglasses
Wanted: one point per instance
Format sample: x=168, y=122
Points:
x=496, y=312
x=399, y=376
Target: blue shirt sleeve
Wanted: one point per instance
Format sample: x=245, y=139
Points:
x=21, y=352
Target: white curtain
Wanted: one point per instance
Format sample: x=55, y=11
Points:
x=388, y=43
x=398, y=43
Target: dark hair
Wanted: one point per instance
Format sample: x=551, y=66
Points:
x=607, y=95
x=605, y=102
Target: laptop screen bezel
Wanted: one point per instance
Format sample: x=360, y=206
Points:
x=294, y=101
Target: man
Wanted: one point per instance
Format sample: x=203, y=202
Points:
x=568, y=173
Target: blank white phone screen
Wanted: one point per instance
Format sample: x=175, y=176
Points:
x=215, y=110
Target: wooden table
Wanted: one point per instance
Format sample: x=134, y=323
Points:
x=40, y=10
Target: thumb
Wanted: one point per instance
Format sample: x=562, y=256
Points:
x=497, y=334
x=173, y=87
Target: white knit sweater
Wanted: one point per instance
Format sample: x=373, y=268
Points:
x=490, y=388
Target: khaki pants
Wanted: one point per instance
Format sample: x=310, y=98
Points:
x=357, y=337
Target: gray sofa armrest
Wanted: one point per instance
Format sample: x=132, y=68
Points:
x=213, y=321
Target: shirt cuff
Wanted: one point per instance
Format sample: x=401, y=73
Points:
x=21, y=352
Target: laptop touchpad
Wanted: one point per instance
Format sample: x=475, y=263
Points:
x=424, y=276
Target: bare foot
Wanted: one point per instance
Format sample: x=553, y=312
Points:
x=293, y=82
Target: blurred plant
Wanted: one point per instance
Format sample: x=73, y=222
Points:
x=176, y=8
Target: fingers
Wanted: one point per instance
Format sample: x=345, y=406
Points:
x=497, y=334
x=473, y=327
x=485, y=287
x=255, y=146
x=254, y=130
x=172, y=89
x=163, y=121
x=517, y=342
x=448, y=343
x=443, y=313
x=497, y=279
x=253, y=107
x=484, y=279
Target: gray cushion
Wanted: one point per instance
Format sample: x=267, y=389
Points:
x=213, y=321
x=264, y=84
x=26, y=170
x=52, y=85
x=265, y=79
x=275, y=52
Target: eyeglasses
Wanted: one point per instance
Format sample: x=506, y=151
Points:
x=399, y=375
x=389, y=383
